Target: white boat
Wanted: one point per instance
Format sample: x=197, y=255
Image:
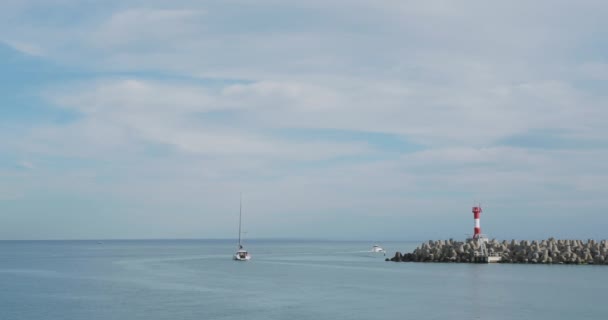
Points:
x=377, y=248
x=241, y=254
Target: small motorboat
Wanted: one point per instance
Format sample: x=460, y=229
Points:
x=377, y=248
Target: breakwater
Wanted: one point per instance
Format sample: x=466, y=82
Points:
x=549, y=251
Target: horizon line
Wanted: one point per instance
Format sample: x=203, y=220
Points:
x=214, y=239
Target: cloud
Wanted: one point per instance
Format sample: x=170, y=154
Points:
x=594, y=70
x=27, y=48
x=25, y=165
x=174, y=115
x=185, y=103
x=142, y=28
x=458, y=156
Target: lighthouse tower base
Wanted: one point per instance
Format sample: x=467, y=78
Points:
x=481, y=253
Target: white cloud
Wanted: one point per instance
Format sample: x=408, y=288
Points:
x=433, y=115
x=210, y=85
x=26, y=165
x=27, y=48
x=167, y=114
x=594, y=70
x=146, y=27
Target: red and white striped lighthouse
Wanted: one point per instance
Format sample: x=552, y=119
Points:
x=476, y=214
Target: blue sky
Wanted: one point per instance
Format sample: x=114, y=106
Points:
x=372, y=120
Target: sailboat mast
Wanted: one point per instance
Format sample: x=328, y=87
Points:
x=240, y=216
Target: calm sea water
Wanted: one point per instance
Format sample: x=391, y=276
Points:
x=285, y=280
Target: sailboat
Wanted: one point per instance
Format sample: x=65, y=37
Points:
x=241, y=254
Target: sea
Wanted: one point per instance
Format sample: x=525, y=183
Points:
x=286, y=279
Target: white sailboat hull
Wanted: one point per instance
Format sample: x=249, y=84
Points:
x=242, y=256
x=238, y=258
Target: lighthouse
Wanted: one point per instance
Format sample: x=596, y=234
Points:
x=476, y=214
x=481, y=253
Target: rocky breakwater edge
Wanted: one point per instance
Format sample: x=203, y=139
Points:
x=550, y=251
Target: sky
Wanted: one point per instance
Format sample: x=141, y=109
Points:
x=360, y=120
